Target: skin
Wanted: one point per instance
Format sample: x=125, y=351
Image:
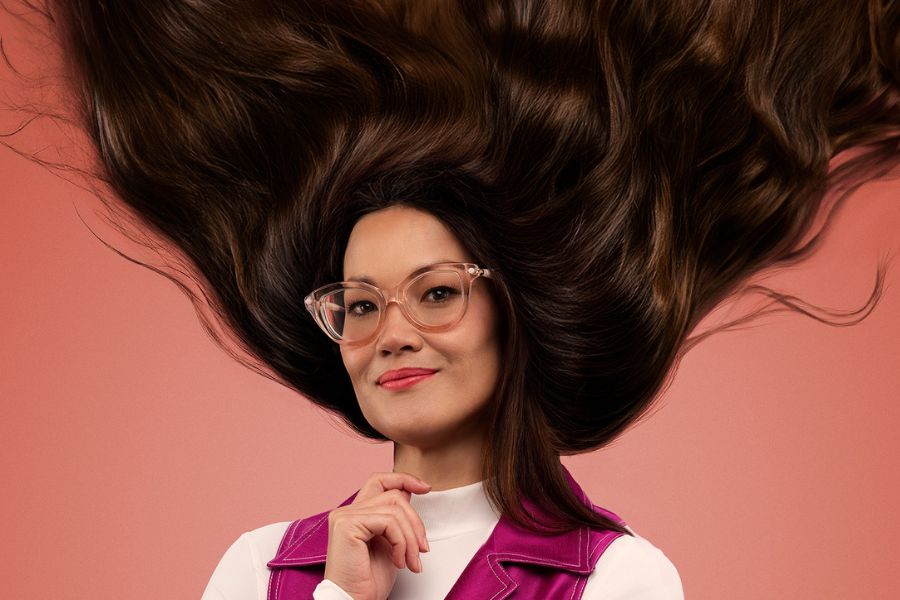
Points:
x=437, y=425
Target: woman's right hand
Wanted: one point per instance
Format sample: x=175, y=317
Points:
x=376, y=534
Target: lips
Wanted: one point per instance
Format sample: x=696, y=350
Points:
x=402, y=373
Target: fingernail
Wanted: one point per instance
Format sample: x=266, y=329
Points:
x=419, y=562
x=427, y=547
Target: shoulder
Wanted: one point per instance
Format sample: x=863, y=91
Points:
x=242, y=572
x=632, y=567
x=267, y=537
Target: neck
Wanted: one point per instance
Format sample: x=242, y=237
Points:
x=444, y=467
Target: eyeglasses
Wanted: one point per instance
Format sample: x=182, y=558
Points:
x=433, y=298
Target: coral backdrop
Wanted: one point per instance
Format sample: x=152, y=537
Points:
x=134, y=450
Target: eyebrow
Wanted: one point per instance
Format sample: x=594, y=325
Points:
x=420, y=269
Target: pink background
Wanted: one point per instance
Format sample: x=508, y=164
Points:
x=135, y=451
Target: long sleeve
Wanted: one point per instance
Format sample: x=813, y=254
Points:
x=633, y=569
x=329, y=590
x=235, y=576
x=242, y=573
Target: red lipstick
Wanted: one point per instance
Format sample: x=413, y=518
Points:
x=404, y=378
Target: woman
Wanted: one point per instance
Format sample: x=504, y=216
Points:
x=449, y=330
x=618, y=168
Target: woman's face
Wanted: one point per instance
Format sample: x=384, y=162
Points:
x=386, y=246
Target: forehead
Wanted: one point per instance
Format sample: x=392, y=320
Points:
x=387, y=245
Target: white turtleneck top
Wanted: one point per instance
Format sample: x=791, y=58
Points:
x=457, y=522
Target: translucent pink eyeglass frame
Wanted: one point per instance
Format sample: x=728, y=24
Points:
x=469, y=273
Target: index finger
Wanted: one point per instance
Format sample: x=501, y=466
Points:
x=381, y=482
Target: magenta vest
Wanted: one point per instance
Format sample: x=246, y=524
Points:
x=543, y=566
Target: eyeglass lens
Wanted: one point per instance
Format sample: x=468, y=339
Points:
x=434, y=298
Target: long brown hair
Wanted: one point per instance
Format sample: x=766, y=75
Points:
x=622, y=165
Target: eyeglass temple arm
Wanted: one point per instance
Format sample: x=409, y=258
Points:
x=481, y=271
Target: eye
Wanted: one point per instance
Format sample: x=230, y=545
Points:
x=360, y=308
x=441, y=293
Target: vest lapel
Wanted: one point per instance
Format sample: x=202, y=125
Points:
x=488, y=576
x=305, y=543
x=304, y=547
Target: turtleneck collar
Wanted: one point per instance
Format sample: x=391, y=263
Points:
x=447, y=513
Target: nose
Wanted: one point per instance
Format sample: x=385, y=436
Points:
x=397, y=332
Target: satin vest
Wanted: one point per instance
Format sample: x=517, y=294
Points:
x=512, y=561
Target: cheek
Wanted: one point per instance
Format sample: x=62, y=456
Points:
x=482, y=360
x=490, y=362
x=486, y=332
x=354, y=363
